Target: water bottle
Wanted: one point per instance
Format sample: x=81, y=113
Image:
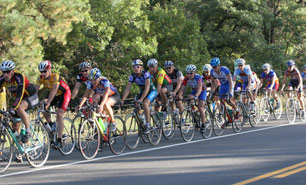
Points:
x=47, y=126
x=101, y=123
x=176, y=111
x=271, y=101
x=16, y=134
x=22, y=132
x=142, y=118
x=105, y=126
x=53, y=127
x=230, y=111
x=213, y=105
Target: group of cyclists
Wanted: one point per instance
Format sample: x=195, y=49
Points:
x=156, y=83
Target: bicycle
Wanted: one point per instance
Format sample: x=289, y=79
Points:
x=36, y=150
x=293, y=108
x=190, y=122
x=69, y=134
x=91, y=134
x=135, y=128
x=267, y=107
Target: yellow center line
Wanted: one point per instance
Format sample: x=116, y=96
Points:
x=290, y=172
x=270, y=174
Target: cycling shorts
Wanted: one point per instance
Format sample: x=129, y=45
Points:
x=202, y=96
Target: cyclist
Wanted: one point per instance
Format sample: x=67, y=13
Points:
x=59, y=94
x=103, y=93
x=273, y=82
x=304, y=77
x=82, y=77
x=176, y=77
x=198, y=87
x=223, y=74
x=147, y=90
x=26, y=98
x=247, y=77
x=160, y=80
x=296, y=81
x=207, y=79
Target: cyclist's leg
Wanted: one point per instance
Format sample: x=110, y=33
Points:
x=110, y=102
x=152, y=95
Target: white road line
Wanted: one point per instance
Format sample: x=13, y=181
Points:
x=140, y=151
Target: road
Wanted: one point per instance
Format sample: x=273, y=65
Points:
x=272, y=153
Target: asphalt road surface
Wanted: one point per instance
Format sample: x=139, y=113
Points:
x=272, y=153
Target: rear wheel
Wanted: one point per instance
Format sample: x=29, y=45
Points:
x=187, y=127
x=117, y=139
x=77, y=122
x=132, y=131
x=255, y=117
x=219, y=121
x=6, y=150
x=38, y=147
x=208, y=125
x=264, y=109
x=290, y=110
x=278, y=112
x=68, y=138
x=242, y=119
x=168, y=125
x=89, y=139
x=156, y=129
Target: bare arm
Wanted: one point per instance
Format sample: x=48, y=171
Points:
x=75, y=90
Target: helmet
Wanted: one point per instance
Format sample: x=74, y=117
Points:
x=45, y=65
x=168, y=63
x=304, y=67
x=191, y=68
x=7, y=65
x=240, y=61
x=207, y=67
x=94, y=74
x=266, y=66
x=152, y=62
x=215, y=62
x=137, y=62
x=290, y=63
x=84, y=65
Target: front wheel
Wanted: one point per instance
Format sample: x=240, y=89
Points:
x=208, y=125
x=219, y=121
x=187, y=127
x=117, y=139
x=290, y=111
x=132, y=131
x=89, y=139
x=68, y=138
x=38, y=148
x=168, y=124
x=264, y=109
x=255, y=117
x=242, y=119
x=6, y=150
x=278, y=112
x=156, y=129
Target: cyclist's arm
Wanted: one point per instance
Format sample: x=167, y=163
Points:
x=284, y=81
x=199, y=90
x=273, y=82
x=213, y=83
x=146, y=91
x=229, y=78
x=53, y=92
x=261, y=83
x=126, y=91
x=249, y=82
x=75, y=90
x=85, y=96
x=234, y=80
x=178, y=85
x=180, y=93
x=20, y=90
x=300, y=79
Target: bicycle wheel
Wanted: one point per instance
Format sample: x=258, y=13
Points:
x=264, y=109
x=77, y=122
x=117, y=139
x=238, y=123
x=6, y=150
x=38, y=148
x=132, y=131
x=255, y=118
x=302, y=114
x=89, y=139
x=290, y=110
x=278, y=112
x=169, y=124
x=219, y=121
x=68, y=138
x=156, y=129
x=187, y=127
x=208, y=125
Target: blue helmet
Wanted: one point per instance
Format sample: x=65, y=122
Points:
x=215, y=62
x=168, y=63
x=94, y=74
x=290, y=63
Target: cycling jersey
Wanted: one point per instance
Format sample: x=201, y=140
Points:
x=82, y=79
x=53, y=80
x=141, y=80
x=269, y=77
x=177, y=74
x=294, y=74
x=19, y=87
x=244, y=74
x=160, y=78
x=224, y=71
x=304, y=78
x=103, y=84
x=193, y=83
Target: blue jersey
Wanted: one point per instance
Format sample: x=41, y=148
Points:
x=244, y=74
x=224, y=71
x=269, y=76
x=103, y=84
x=193, y=83
x=140, y=80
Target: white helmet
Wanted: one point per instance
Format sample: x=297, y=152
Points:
x=266, y=66
x=191, y=68
x=207, y=67
x=240, y=61
x=7, y=65
x=168, y=63
x=45, y=65
x=152, y=62
x=84, y=65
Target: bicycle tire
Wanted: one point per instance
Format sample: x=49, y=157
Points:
x=37, y=150
x=302, y=114
x=187, y=125
x=255, y=118
x=278, y=112
x=155, y=129
x=238, y=123
x=89, y=139
x=290, y=111
x=77, y=122
x=208, y=125
x=264, y=109
x=219, y=121
x=68, y=138
x=132, y=131
x=117, y=139
x=6, y=150
x=168, y=125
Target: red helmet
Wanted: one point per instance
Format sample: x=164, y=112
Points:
x=45, y=65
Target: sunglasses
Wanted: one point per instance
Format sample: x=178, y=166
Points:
x=136, y=67
x=43, y=71
x=215, y=67
x=84, y=71
x=168, y=68
x=6, y=72
x=240, y=65
x=189, y=73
